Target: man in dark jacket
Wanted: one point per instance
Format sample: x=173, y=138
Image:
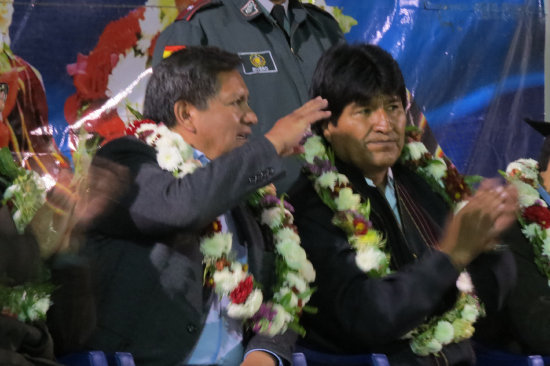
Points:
x=146, y=258
x=362, y=307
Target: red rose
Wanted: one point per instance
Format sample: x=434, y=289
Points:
x=538, y=214
x=241, y=292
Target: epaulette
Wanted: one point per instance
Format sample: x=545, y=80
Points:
x=188, y=13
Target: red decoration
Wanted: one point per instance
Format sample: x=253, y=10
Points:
x=538, y=214
x=241, y=292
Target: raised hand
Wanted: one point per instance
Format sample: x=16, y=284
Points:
x=287, y=132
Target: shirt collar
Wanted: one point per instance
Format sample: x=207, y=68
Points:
x=390, y=180
x=199, y=155
x=268, y=5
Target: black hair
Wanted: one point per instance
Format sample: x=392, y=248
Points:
x=356, y=73
x=191, y=75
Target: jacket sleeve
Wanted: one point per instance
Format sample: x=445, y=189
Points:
x=157, y=203
x=367, y=311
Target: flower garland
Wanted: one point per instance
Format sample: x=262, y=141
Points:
x=27, y=303
x=227, y=276
x=352, y=216
x=534, y=217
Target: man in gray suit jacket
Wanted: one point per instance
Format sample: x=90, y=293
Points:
x=145, y=252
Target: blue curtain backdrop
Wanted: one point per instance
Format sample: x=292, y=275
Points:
x=475, y=68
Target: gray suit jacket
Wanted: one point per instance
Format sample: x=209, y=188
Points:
x=145, y=253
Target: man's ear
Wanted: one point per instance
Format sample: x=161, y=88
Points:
x=327, y=129
x=183, y=112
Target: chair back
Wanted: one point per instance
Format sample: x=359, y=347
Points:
x=316, y=358
x=492, y=357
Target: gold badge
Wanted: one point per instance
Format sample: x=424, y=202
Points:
x=257, y=60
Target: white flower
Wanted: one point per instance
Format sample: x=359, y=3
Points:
x=437, y=169
x=347, y=200
x=38, y=309
x=279, y=322
x=369, y=258
x=286, y=234
x=416, y=150
x=307, y=271
x=294, y=280
x=10, y=191
x=227, y=279
x=216, y=245
x=546, y=247
x=249, y=308
x=273, y=217
x=464, y=282
x=169, y=158
x=531, y=231
x=293, y=254
x=314, y=147
x=285, y=291
x=469, y=313
x=186, y=168
x=327, y=180
x=527, y=195
x=527, y=167
x=444, y=332
x=432, y=346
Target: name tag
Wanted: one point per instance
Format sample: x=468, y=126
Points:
x=257, y=62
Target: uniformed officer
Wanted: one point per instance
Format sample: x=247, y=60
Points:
x=277, y=60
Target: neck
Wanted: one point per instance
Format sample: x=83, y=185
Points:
x=545, y=175
x=379, y=178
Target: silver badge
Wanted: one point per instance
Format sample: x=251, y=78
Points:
x=250, y=8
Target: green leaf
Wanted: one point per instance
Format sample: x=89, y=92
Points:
x=8, y=168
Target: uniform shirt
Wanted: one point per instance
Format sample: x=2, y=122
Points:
x=277, y=73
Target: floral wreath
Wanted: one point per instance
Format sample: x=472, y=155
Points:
x=227, y=276
x=534, y=216
x=351, y=214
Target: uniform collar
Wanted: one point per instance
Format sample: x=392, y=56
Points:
x=268, y=5
x=250, y=9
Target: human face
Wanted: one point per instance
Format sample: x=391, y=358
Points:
x=226, y=121
x=370, y=136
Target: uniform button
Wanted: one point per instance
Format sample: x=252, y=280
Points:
x=191, y=328
x=271, y=171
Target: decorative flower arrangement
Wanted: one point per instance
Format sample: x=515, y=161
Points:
x=345, y=21
x=351, y=214
x=123, y=51
x=227, y=276
x=25, y=193
x=439, y=172
x=27, y=303
x=535, y=215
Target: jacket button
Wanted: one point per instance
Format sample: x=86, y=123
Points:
x=191, y=328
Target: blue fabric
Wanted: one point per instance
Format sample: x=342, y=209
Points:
x=220, y=342
x=389, y=193
x=544, y=195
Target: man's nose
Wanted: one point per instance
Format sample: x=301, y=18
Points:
x=382, y=121
x=250, y=118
